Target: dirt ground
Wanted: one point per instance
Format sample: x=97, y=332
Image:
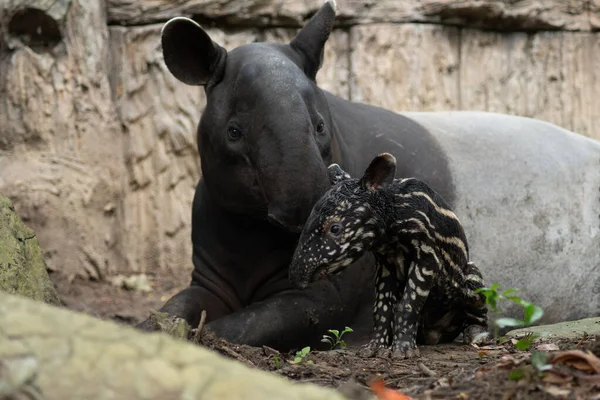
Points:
x=449, y=371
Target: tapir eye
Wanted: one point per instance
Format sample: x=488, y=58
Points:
x=335, y=229
x=320, y=127
x=234, y=134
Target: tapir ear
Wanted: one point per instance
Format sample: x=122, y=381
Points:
x=190, y=54
x=336, y=174
x=380, y=172
x=310, y=40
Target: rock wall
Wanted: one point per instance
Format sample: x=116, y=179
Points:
x=97, y=139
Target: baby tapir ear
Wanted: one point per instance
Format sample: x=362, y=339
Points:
x=309, y=42
x=380, y=172
x=190, y=54
x=336, y=174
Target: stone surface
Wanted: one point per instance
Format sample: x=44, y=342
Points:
x=494, y=14
x=550, y=76
x=411, y=67
x=60, y=140
x=98, y=360
x=22, y=267
x=570, y=330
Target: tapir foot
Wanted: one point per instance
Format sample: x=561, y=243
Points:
x=374, y=349
x=408, y=353
x=475, y=334
x=405, y=346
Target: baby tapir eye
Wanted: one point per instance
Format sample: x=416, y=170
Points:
x=335, y=229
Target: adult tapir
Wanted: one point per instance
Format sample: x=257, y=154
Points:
x=527, y=192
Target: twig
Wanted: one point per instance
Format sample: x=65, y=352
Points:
x=236, y=356
x=426, y=370
x=583, y=339
x=198, y=333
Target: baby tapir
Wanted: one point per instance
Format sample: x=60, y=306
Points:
x=424, y=281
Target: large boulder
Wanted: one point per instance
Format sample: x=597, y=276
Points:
x=22, y=266
x=59, y=354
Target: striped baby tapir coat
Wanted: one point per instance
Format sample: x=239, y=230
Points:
x=424, y=284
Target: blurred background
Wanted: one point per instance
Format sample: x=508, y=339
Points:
x=97, y=138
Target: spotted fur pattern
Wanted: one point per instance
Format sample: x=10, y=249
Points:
x=424, y=281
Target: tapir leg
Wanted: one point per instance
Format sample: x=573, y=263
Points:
x=298, y=318
x=290, y=319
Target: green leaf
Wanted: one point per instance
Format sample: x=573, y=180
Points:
x=494, y=287
x=504, y=322
x=514, y=299
x=526, y=342
x=343, y=344
x=335, y=332
x=537, y=313
x=297, y=360
x=538, y=360
x=509, y=291
x=348, y=330
x=305, y=350
x=309, y=362
x=516, y=374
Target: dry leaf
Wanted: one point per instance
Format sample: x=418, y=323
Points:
x=383, y=393
x=557, y=377
x=587, y=362
x=547, y=347
x=556, y=391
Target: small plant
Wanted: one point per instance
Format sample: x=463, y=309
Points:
x=336, y=337
x=277, y=364
x=539, y=364
x=526, y=342
x=301, y=355
x=532, y=313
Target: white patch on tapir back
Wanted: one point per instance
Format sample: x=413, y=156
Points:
x=562, y=175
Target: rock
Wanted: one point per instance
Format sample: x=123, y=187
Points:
x=552, y=76
x=494, y=14
x=570, y=329
x=137, y=282
x=66, y=355
x=387, y=74
x=60, y=141
x=22, y=267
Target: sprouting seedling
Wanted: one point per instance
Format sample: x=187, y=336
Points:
x=539, y=364
x=532, y=313
x=301, y=355
x=336, y=337
x=277, y=364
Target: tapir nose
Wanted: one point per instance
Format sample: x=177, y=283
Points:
x=277, y=219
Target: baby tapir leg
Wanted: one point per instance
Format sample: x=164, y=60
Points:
x=476, y=322
x=386, y=292
x=421, y=277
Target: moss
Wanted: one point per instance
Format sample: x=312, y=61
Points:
x=22, y=266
